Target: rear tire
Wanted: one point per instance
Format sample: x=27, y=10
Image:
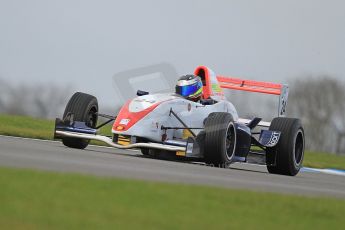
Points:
x=84, y=107
x=286, y=157
x=220, y=139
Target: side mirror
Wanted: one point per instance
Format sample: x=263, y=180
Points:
x=142, y=93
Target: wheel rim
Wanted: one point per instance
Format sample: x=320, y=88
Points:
x=92, y=118
x=230, y=141
x=299, y=148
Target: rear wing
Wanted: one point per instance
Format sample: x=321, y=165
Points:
x=280, y=90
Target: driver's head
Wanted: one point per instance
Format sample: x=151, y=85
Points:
x=189, y=87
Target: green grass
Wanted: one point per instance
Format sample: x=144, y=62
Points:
x=23, y=126
x=44, y=200
x=323, y=160
x=43, y=129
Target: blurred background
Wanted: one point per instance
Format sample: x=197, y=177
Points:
x=49, y=49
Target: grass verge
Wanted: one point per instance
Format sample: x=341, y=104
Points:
x=323, y=160
x=45, y=200
x=23, y=126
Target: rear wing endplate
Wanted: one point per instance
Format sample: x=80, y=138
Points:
x=280, y=90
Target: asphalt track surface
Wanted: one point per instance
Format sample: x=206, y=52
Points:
x=102, y=161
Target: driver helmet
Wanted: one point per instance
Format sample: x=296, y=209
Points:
x=189, y=87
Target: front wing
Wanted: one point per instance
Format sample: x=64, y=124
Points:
x=80, y=131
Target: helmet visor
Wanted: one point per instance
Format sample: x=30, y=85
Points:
x=187, y=90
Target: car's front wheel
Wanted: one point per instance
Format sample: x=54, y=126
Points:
x=220, y=139
x=286, y=157
x=84, y=108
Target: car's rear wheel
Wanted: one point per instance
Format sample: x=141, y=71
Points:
x=220, y=139
x=286, y=157
x=84, y=108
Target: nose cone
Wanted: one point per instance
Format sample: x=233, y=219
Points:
x=131, y=113
x=136, y=109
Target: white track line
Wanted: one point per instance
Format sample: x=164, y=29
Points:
x=325, y=171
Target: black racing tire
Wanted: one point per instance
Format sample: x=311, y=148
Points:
x=145, y=151
x=220, y=139
x=84, y=107
x=158, y=154
x=286, y=158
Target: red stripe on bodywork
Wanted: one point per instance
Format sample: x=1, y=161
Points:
x=133, y=117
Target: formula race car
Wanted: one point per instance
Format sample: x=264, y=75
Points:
x=208, y=130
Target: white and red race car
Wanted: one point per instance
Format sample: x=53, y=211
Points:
x=209, y=131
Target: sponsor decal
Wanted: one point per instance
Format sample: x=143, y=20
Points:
x=154, y=127
x=283, y=108
x=181, y=153
x=274, y=139
x=216, y=88
x=124, y=121
x=145, y=100
x=186, y=133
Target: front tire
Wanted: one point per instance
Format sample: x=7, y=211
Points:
x=145, y=151
x=220, y=139
x=286, y=157
x=84, y=107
